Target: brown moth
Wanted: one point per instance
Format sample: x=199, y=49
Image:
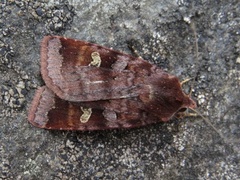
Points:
x=91, y=87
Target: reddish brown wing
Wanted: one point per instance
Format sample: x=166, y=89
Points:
x=50, y=112
x=66, y=70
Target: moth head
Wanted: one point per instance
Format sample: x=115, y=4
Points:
x=164, y=97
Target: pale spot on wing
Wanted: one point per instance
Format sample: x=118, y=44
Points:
x=87, y=112
x=96, y=59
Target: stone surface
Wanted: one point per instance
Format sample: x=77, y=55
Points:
x=160, y=32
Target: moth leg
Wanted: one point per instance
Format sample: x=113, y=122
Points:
x=185, y=113
x=185, y=81
x=191, y=88
x=133, y=49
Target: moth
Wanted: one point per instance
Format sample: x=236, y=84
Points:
x=91, y=87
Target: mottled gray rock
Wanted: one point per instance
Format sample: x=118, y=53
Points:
x=160, y=32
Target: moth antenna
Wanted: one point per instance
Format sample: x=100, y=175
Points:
x=193, y=27
x=209, y=123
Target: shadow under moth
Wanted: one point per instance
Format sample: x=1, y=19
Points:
x=91, y=87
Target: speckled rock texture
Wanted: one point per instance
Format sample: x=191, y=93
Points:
x=160, y=31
